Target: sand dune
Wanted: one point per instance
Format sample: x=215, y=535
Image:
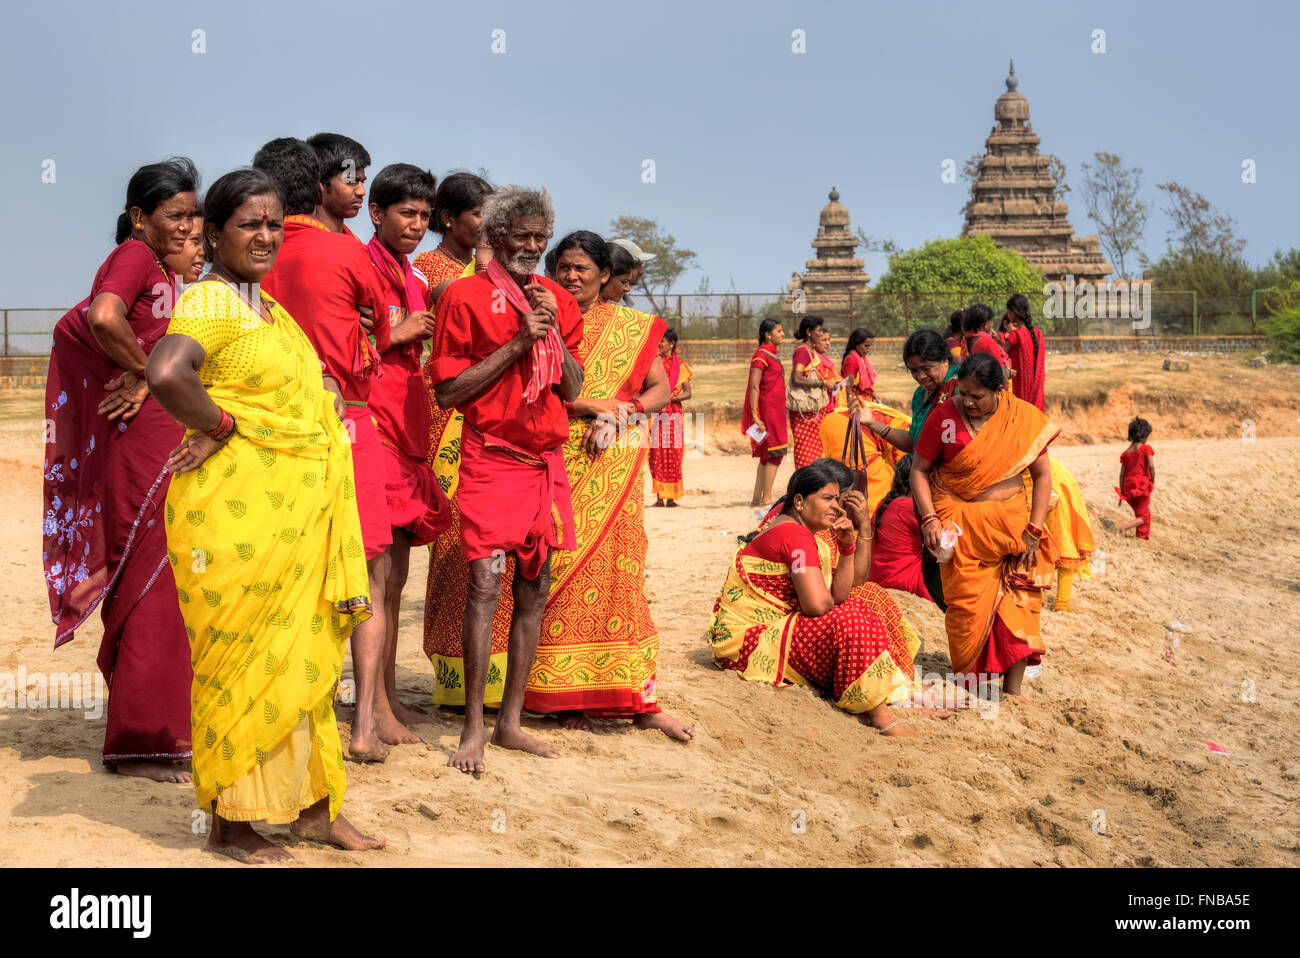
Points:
x=781, y=777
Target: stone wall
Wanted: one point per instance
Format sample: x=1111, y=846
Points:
x=706, y=352
x=23, y=371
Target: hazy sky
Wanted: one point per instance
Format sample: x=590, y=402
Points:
x=747, y=136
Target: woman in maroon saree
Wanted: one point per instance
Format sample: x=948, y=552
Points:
x=105, y=483
x=764, y=408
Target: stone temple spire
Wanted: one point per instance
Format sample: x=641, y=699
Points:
x=834, y=281
x=1014, y=198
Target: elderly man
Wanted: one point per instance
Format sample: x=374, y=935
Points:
x=503, y=348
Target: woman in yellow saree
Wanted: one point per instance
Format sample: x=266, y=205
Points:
x=1070, y=530
x=796, y=608
x=967, y=475
x=599, y=649
x=263, y=538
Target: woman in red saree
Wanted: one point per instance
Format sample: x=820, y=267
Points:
x=967, y=474
x=764, y=410
x=105, y=481
x=857, y=368
x=1027, y=350
x=668, y=439
x=811, y=372
x=599, y=649
x=796, y=608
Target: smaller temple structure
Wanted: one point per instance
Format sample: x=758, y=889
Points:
x=1014, y=199
x=833, y=282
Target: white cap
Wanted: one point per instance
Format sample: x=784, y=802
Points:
x=635, y=250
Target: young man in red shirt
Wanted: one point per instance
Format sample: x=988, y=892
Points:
x=401, y=203
x=325, y=280
x=503, y=347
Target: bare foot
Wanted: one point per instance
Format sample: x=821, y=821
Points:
x=237, y=840
x=314, y=825
x=364, y=748
x=881, y=718
x=666, y=724
x=1018, y=697
x=469, y=757
x=393, y=732
x=658, y=502
x=519, y=740
x=155, y=771
x=574, y=721
x=672, y=503
x=407, y=714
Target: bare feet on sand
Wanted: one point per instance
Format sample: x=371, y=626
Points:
x=666, y=724
x=1020, y=699
x=155, y=770
x=881, y=718
x=237, y=840
x=469, y=756
x=314, y=825
x=407, y=714
x=514, y=737
x=393, y=732
x=363, y=748
x=575, y=721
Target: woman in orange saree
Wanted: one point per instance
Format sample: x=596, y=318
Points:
x=967, y=475
x=599, y=648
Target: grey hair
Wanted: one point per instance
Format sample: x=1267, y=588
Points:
x=510, y=203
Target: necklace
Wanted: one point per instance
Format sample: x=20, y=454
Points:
x=462, y=263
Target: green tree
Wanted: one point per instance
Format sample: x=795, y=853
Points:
x=1284, y=329
x=1197, y=227
x=967, y=264
x=1110, y=195
x=669, y=263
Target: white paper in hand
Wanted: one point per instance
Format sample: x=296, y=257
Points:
x=754, y=433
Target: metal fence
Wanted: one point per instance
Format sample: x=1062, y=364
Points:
x=1162, y=313
x=27, y=331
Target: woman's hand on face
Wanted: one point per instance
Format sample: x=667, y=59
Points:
x=192, y=453
x=855, y=504
x=1030, y=559
x=126, y=394
x=845, y=531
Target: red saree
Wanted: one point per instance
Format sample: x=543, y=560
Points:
x=771, y=406
x=104, y=542
x=667, y=445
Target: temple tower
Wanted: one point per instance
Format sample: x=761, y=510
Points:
x=834, y=281
x=1014, y=200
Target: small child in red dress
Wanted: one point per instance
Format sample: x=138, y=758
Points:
x=1137, y=477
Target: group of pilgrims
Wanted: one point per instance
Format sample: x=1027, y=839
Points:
x=257, y=415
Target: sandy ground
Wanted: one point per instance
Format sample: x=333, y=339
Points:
x=781, y=777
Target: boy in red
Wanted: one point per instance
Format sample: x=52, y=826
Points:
x=325, y=279
x=401, y=202
x=1137, y=477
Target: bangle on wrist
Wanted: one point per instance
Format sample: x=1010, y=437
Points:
x=636, y=404
x=223, y=429
x=930, y=517
x=848, y=551
x=568, y=408
x=1033, y=530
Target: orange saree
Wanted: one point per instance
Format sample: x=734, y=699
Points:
x=599, y=648
x=988, y=596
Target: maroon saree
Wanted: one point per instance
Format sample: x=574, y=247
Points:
x=104, y=541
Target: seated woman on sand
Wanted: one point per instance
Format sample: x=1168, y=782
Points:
x=789, y=612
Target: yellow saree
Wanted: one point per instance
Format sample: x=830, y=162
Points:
x=265, y=546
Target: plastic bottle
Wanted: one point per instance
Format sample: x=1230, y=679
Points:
x=948, y=537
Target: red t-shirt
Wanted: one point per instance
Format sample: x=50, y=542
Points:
x=473, y=321
x=321, y=278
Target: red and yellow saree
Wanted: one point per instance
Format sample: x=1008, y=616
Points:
x=599, y=647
